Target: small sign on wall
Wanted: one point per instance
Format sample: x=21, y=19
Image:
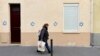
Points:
x=4, y=23
x=81, y=24
x=55, y=23
x=32, y=23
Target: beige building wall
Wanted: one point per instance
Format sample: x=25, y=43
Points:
x=96, y=16
x=96, y=22
x=45, y=11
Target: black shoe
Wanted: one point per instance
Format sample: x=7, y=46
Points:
x=49, y=52
x=38, y=51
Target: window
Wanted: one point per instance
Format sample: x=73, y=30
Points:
x=71, y=16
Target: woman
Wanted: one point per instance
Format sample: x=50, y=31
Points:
x=44, y=36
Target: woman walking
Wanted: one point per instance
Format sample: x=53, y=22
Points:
x=44, y=36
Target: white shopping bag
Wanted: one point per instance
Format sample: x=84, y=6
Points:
x=41, y=46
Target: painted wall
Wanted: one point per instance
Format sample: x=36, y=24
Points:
x=96, y=22
x=96, y=16
x=40, y=12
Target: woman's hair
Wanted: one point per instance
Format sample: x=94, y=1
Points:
x=45, y=26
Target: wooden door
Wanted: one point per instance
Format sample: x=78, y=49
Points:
x=15, y=23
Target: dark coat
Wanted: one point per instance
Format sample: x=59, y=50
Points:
x=44, y=35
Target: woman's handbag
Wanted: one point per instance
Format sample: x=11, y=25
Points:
x=41, y=46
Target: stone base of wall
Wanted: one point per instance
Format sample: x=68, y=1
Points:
x=95, y=39
x=59, y=39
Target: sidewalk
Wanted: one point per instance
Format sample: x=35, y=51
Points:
x=58, y=51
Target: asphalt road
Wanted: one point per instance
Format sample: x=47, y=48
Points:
x=58, y=51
